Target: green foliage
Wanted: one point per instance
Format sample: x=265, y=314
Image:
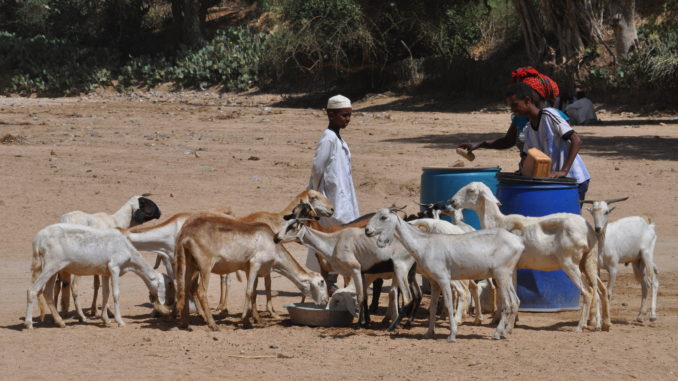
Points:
x=651, y=66
x=317, y=35
x=41, y=65
x=230, y=59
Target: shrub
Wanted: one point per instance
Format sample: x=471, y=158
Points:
x=41, y=65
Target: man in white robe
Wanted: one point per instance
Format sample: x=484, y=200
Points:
x=331, y=172
x=581, y=111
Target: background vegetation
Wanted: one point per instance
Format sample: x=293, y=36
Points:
x=458, y=47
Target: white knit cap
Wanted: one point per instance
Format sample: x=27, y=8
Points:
x=337, y=102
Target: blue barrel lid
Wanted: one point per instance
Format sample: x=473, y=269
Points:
x=512, y=178
x=459, y=169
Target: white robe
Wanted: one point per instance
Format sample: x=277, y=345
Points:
x=331, y=175
x=581, y=111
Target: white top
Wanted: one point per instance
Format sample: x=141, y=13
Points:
x=331, y=175
x=581, y=111
x=548, y=138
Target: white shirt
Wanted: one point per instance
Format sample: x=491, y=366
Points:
x=548, y=138
x=581, y=111
x=331, y=175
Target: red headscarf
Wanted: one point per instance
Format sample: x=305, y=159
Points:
x=543, y=85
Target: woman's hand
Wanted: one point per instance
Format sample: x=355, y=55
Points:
x=470, y=146
x=557, y=174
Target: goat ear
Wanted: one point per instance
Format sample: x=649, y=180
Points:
x=617, y=200
x=489, y=196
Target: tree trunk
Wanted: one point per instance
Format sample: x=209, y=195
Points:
x=622, y=15
x=191, y=32
x=533, y=32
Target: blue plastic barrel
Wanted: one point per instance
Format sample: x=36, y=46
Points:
x=541, y=291
x=441, y=183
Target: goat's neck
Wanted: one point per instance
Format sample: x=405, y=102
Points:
x=287, y=266
x=323, y=243
x=601, y=238
x=138, y=265
x=160, y=238
x=489, y=214
x=123, y=217
x=412, y=238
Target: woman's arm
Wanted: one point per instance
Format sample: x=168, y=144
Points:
x=506, y=141
x=576, y=144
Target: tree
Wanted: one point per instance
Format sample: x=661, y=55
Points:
x=622, y=17
x=189, y=18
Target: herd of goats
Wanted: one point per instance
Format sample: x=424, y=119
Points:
x=451, y=255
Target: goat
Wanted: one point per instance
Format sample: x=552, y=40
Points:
x=553, y=242
x=317, y=204
x=443, y=257
x=161, y=238
x=376, y=279
x=627, y=240
x=137, y=210
x=210, y=243
x=351, y=253
x=82, y=250
x=461, y=287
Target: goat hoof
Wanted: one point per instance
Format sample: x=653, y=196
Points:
x=214, y=328
x=653, y=319
x=606, y=327
x=451, y=339
x=428, y=335
x=477, y=322
x=407, y=325
x=639, y=319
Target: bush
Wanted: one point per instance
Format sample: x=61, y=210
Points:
x=41, y=65
x=650, y=69
x=230, y=59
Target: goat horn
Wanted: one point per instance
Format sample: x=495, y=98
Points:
x=585, y=201
x=617, y=200
x=146, y=194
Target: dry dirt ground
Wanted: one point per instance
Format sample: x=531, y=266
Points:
x=92, y=153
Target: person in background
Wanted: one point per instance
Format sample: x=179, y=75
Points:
x=331, y=173
x=581, y=111
x=550, y=133
x=544, y=86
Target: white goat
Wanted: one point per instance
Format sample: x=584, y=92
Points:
x=461, y=287
x=136, y=211
x=553, y=242
x=444, y=257
x=81, y=250
x=351, y=253
x=345, y=299
x=627, y=240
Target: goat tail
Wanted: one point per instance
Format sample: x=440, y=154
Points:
x=648, y=219
x=517, y=228
x=180, y=275
x=36, y=263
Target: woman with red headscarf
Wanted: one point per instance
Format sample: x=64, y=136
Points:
x=544, y=86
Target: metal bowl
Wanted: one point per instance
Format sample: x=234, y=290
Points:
x=317, y=316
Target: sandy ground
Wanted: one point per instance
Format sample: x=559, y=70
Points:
x=92, y=153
